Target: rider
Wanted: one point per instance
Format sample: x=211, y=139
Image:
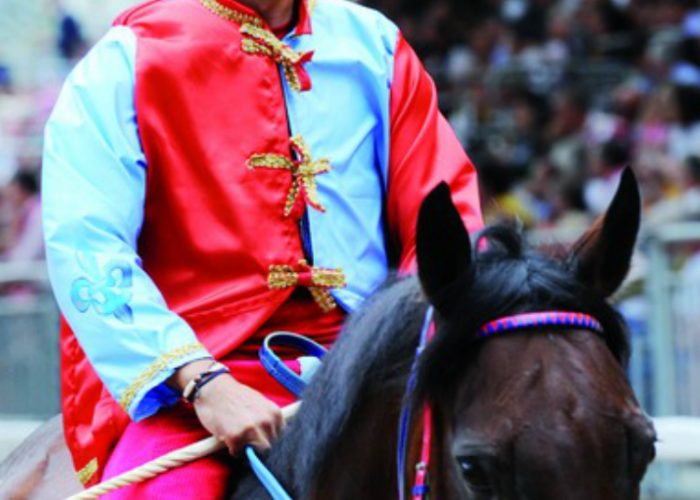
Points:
x=215, y=170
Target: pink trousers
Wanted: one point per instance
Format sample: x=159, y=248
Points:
x=174, y=428
x=206, y=479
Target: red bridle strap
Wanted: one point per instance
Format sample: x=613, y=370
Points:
x=420, y=485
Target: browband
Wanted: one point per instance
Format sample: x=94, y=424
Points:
x=540, y=319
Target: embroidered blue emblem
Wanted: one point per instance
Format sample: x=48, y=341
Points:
x=107, y=292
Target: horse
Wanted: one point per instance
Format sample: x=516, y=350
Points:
x=546, y=413
x=543, y=413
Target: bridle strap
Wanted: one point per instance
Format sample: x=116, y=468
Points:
x=405, y=421
x=421, y=486
x=539, y=320
x=506, y=324
x=278, y=369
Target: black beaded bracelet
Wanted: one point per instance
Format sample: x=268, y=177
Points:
x=203, y=379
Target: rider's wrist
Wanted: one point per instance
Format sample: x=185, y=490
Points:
x=187, y=372
x=196, y=384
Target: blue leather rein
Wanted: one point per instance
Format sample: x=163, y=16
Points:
x=294, y=383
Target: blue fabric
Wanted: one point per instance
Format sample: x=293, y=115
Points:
x=93, y=194
x=345, y=118
x=421, y=490
x=276, y=367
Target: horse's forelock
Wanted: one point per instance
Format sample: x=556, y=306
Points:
x=499, y=241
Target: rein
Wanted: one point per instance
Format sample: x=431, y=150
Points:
x=295, y=384
x=507, y=324
x=421, y=483
x=281, y=372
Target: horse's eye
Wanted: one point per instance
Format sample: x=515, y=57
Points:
x=474, y=473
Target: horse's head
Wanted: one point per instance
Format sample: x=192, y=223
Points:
x=541, y=414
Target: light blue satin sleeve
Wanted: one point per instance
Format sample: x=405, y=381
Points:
x=93, y=199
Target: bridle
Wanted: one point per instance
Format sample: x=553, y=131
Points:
x=507, y=324
x=421, y=488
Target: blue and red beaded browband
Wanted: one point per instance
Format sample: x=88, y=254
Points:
x=540, y=319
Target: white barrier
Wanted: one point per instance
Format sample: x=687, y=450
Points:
x=678, y=439
x=13, y=432
x=673, y=296
x=26, y=272
x=29, y=321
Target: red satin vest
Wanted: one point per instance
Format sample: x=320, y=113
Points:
x=202, y=240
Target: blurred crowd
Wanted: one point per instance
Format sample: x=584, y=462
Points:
x=551, y=98
x=23, y=113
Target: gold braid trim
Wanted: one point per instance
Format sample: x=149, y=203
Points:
x=304, y=172
x=278, y=162
x=324, y=299
x=240, y=17
x=302, y=148
x=262, y=41
x=86, y=473
x=328, y=278
x=282, y=277
x=258, y=40
x=158, y=366
x=285, y=276
x=325, y=279
x=307, y=171
x=266, y=41
x=253, y=47
x=291, y=76
x=230, y=14
x=291, y=199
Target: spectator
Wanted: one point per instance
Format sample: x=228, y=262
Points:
x=565, y=133
x=5, y=80
x=71, y=44
x=8, y=157
x=686, y=206
x=24, y=240
x=525, y=83
x=685, y=139
x=600, y=189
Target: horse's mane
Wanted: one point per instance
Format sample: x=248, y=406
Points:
x=377, y=345
x=373, y=353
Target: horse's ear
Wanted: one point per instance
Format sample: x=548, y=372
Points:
x=443, y=248
x=603, y=255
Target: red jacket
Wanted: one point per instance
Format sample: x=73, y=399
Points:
x=221, y=234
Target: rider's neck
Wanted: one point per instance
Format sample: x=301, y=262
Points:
x=275, y=12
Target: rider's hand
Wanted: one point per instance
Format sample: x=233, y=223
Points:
x=235, y=413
